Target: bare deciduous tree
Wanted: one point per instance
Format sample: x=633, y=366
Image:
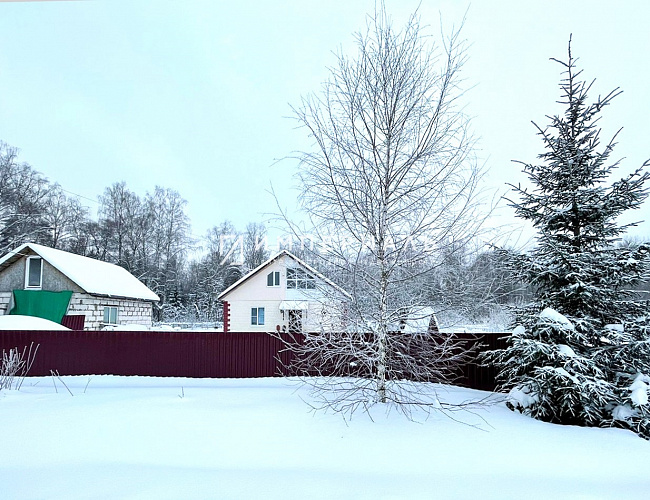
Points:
x=212, y=273
x=63, y=217
x=170, y=239
x=23, y=194
x=390, y=184
x=254, y=245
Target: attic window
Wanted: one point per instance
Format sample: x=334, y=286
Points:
x=299, y=278
x=34, y=272
x=273, y=278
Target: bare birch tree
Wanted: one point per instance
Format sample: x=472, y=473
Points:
x=23, y=197
x=63, y=217
x=390, y=183
x=254, y=247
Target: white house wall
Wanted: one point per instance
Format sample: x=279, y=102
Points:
x=255, y=293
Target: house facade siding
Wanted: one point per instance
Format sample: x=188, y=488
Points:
x=255, y=293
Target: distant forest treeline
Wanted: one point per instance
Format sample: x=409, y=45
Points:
x=150, y=236
x=147, y=235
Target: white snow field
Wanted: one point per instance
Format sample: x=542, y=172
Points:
x=174, y=438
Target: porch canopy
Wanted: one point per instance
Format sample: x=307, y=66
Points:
x=293, y=305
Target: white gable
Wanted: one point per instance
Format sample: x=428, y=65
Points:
x=275, y=297
x=94, y=276
x=277, y=257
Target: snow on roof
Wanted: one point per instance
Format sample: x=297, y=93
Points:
x=272, y=259
x=418, y=319
x=93, y=276
x=20, y=322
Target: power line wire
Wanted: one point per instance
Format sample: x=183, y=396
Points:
x=78, y=195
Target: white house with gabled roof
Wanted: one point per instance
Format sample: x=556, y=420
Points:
x=105, y=294
x=286, y=294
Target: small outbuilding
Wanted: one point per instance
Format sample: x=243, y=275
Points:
x=36, y=280
x=283, y=294
x=418, y=319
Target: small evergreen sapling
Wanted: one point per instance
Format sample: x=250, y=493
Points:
x=581, y=352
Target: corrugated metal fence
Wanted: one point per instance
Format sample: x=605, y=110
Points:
x=163, y=354
x=182, y=354
x=473, y=374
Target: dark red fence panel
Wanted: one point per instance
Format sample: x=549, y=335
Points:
x=189, y=354
x=474, y=374
x=74, y=321
x=164, y=354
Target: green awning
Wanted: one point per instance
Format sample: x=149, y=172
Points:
x=41, y=304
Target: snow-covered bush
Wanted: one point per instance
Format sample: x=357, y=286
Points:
x=15, y=366
x=580, y=352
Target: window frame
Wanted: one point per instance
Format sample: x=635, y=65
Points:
x=300, y=279
x=257, y=316
x=110, y=309
x=28, y=267
x=274, y=278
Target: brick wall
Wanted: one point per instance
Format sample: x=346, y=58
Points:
x=5, y=298
x=129, y=312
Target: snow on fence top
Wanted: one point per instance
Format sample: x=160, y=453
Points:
x=19, y=322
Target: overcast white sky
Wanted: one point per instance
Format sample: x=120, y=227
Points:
x=195, y=95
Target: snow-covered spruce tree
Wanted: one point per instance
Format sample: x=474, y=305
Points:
x=580, y=351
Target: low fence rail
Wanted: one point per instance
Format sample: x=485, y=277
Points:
x=186, y=354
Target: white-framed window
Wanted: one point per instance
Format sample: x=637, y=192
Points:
x=110, y=315
x=273, y=278
x=34, y=272
x=257, y=315
x=299, y=278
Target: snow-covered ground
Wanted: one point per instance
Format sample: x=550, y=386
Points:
x=172, y=438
